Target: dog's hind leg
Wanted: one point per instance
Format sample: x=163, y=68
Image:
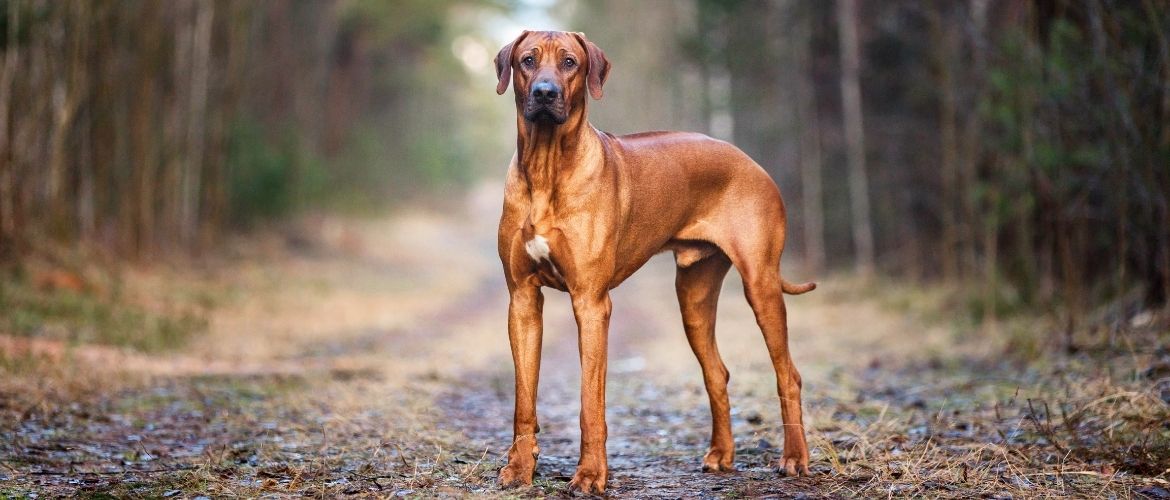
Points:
x=755, y=250
x=698, y=285
x=762, y=285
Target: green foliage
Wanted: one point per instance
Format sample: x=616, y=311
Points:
x=415, y=138
x=270, y=178
x=84, y=317
x=371, y=172
x=214, y=114
x=260, y=175
x=425, y=24
x=1062, y=123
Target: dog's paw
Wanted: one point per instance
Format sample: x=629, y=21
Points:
x=717, y=460
x=513, y=475
x=588, y=481
x=521, y=464
x=794, y=466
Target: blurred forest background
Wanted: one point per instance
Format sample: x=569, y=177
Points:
x=242, y=242
x=1019, y=150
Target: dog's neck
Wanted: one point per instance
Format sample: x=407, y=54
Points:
x=546, y=152
x=549, y=156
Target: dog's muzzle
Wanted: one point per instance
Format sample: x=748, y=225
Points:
x=545, y=104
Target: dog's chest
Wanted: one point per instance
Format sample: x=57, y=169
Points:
x=542, y=253
x=537, y=248
x=545, y=235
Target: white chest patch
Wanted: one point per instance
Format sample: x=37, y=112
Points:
x=537, y=248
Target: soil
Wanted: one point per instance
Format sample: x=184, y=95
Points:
x=370, y=358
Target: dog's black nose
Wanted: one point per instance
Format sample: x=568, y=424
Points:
x=545, y=92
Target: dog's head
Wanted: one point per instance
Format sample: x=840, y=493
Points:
x=553, y=70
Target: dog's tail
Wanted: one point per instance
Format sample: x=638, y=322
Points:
x=796, y=289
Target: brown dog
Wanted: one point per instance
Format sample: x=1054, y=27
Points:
x=584, y=209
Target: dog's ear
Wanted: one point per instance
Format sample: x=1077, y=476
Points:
x=598, y=65
x=504, y=64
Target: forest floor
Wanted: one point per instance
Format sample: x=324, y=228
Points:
x=370, y=358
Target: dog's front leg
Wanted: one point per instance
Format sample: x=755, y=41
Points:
x=525, y=329
x=592, y=312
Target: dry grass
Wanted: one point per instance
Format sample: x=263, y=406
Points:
x=987, y=420
x=373, y=363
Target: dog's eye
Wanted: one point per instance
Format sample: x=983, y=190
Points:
x=570, y=63
x=528, y=61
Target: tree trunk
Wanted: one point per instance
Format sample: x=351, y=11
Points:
x=196, y=128
x=942, y=35
x=68, y=89
x=810, y=155
x=8, y=207
x=1159, y=176
x=855, y=136
x=991, y=262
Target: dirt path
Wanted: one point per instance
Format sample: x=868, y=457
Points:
x=373, y=360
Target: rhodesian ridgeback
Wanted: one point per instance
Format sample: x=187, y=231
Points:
x=584, y=209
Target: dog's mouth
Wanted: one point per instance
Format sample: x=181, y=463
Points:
x=552, y=113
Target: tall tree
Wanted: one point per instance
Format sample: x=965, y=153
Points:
x=810, y=151
x=855, y=135
x=943, y=38
x=8, y=70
